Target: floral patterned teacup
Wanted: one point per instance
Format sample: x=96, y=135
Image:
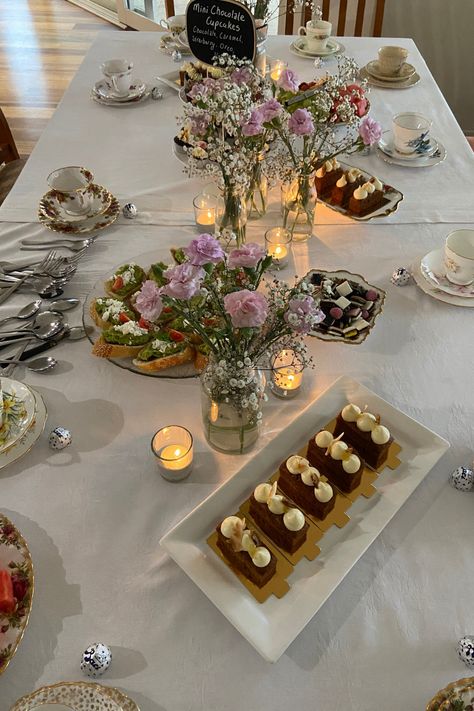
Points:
x=71, y=188
x=459, y=257
x=118, y=73
x=410, y=132
x=317, y=34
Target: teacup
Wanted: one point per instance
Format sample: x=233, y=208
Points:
x=71, y=186
x=119, y=75
x=410, y=131
x=317, y=34
x=391, y=60
x=174, y=24
x=459, y=257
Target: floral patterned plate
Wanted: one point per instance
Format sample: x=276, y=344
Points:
x=433, y=291
x=460, y=690
x=54, y=218
x=29, y=438
x=19, y=408
x=386, y=151
x=52, y=208
x=14, y=557
x=432, y=268
x=79, y=696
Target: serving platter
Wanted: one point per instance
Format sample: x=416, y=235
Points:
x=270, y=627
x=392, y=199
x=15, y=557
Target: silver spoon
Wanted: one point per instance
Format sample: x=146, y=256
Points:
x=46, y=325
x=38, y=365
x=26, y=312
x=63, y=305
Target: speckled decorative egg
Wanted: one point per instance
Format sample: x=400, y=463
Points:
x=96, y=659
x=176, y=55
x=60, y=438
x=462, y=478
x=465, y=650
x=129, y=211
x=156, y=94
x=400, y=276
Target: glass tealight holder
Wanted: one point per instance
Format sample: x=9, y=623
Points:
x=276, y=68
x=277, y=244
x=286, y=374
x=205, y=212
x=173, y=449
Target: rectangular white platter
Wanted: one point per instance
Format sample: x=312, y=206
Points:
x=272, y=626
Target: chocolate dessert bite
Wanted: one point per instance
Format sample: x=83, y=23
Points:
x=284, y=524
x=339, y=462
x=242, y=549
x=364, y=431
x=304, y=485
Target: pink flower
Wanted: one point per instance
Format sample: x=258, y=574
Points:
x=289, y=81
x=303, y=314
x=248, y=255
x=370, y=131
x=200, y=123
x=184, y=281
x=247, y=309
x=148, y=301
x=270, y=110
x=242, y=75
x=205, y=249
x=254, y=125
x=196, y=90
x=301, y=123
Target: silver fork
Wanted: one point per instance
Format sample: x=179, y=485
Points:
x=72, y=245
x=46, y=263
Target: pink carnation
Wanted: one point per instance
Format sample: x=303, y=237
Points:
x=301, y=123
x=253, y=126
x=370, y=131
x=184, y=281
x=242, y=75
x=270, y=110
x=303, y=314
x=205, y=249
x=248, y=255
x=289, y=81
x=247, y=309
x=148, y=301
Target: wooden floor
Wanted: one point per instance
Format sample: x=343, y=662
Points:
x=42, y=43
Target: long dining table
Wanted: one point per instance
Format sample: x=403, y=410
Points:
x=93, y=514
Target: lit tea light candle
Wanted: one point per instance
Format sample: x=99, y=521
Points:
x=173, y=449
x=287, y=374
x=205, y=211
x=277, y=243
x=276, y=69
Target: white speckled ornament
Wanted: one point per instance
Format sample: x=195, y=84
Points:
x=465, y=650
x=60, y=438
x=462, y=478
x=129, y=211
x=400, y=276
x=96, y=659
x=156, y=94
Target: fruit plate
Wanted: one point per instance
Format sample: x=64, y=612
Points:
x=78, y=696
x=392, y=199
x=14, y=557
x=270, y=627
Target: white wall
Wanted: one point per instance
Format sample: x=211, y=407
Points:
x=444, y=33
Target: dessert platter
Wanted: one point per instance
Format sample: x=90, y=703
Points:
x=344, y=466
x=300, y=48
x=429, y=281
x=76, y=696
x=405, y=80
x=103, y=93
x=23, y=420
x=433, y=154
x=350, y=303
x=453, y=696
x=354, y=192
x=103, y=211
x=16, y=590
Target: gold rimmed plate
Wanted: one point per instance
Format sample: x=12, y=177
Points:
x=462, y=689
x=16, y=559
x=29, y=438
x=109, y=209
x=406, y=71
x=382, y=84
x=300, y=48
x=19, y=408
x=78, y=696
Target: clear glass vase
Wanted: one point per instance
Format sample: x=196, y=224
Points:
x=257, y=194
x=299, y=198
x=231, y=400
x=231, y=217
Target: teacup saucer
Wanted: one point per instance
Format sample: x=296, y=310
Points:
x=436, y=293
x=382, y=84
x=99, y=197
x=106, y=206
x=432, y=268
x=104, y=91
x=436, y=153
x=300, y=48
x=406, y=71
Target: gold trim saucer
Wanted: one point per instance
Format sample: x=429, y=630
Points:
x=83, y=696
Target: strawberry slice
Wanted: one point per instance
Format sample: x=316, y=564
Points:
x=123, y=318
x=176, y=335
x=167, y=309
x=143, y=323
x=118, y=283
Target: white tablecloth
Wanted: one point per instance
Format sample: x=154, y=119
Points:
x=93, y=514
x=130, y=149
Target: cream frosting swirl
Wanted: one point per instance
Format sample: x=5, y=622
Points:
x=360, y=193
x=369, y=187
x=378, y=185
x=296, y=464
x=342, y=182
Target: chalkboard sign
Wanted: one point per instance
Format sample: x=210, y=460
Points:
x=220, y=26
